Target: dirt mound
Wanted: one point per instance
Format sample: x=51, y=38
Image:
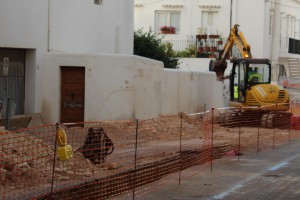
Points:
x=28, y=161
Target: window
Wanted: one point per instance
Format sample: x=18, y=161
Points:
x=261, y=71
x=239, y=83
x=270, y=24
x=210, y=18
x=167, y=18
x=98, y=2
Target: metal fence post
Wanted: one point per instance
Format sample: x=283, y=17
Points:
x=180, y=148
x=54, y=160
x=257, y=148
x=274, y=128
x=212, y=139
x=135, y=158
x=7, y=114
x=292, y=105
x=239, y=146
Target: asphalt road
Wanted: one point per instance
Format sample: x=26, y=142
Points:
x=272, y=174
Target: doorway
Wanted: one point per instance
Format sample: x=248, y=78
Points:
x=12, y=77
x=72, y=94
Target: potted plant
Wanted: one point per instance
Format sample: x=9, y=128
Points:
x=213, y=36
x=201, y=33
x=200, y=49
x=213, y=49
x=207, y=49
x=220, y=41
x=211, y=56
x=168, y=29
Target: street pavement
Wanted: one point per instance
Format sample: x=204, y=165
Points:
x=270, y=175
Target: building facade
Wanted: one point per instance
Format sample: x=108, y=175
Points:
x=271, y=27
x=72, y=61
x=32, y=29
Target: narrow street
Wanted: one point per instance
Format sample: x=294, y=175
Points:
x=273, y=174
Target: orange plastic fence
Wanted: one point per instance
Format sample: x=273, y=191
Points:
x=127, y=159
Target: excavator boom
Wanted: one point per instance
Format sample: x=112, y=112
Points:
x=235, y=37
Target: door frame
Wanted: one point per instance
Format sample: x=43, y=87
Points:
x=61, y=90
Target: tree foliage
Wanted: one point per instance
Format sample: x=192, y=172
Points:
x=149, y=45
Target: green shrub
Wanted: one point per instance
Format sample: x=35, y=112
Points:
x=149, y=45
x=189, y=52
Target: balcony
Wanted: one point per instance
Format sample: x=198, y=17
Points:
x=205, y=46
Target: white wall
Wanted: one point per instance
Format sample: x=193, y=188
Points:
x=284, y=11
x=24, y=25
x=125, y=87
x=194, y=64
x=199, y=65
x=78, y=26
x=250, y=17
x=73, y=26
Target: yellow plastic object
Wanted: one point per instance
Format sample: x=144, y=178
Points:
x=61, y=136
x=65, y=152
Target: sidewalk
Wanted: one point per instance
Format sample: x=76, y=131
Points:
x=273, y=174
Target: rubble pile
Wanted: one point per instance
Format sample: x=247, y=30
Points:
x=26, y=161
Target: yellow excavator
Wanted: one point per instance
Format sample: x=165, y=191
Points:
x=251, y=91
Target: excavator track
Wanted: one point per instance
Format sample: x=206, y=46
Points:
x=255, y=118
x=276, y=120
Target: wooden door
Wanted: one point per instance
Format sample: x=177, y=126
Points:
x=72, y=94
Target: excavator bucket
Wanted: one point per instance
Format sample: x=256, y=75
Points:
x=218, y=68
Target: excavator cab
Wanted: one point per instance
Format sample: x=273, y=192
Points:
x=245, y=74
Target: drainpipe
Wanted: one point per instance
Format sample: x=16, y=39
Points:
x=230, y=25
x=49, y=26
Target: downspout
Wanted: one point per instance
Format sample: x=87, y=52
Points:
x=230, y=25
x=49, y=26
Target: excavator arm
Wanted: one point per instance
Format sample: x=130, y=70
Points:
x=235, y=37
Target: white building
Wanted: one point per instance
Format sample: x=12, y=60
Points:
x=32, y=29
x=71, y=61
x=271, y=27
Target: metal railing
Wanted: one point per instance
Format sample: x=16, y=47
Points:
x=181, y=45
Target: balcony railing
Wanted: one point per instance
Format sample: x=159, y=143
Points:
x=181, y=45
x=204, y=47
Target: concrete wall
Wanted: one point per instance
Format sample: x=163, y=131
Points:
x=199, y=65
x=120, y=87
